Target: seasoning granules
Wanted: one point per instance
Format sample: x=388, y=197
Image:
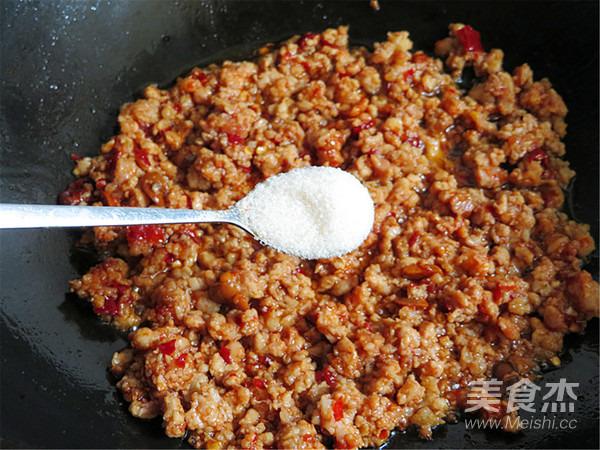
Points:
x=313, y=212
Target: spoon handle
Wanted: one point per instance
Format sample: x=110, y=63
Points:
x=44, y=216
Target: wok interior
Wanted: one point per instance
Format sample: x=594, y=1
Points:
x=66, y=69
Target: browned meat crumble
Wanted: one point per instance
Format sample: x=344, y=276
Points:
x=471, y=271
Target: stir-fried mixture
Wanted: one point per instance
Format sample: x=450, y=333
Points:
x=471, y=270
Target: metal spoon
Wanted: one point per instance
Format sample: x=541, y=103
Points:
x=46, y=216
x=271, y=213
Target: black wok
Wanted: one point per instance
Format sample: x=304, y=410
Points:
x=67, y=66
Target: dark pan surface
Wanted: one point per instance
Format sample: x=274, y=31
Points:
x=67, y=66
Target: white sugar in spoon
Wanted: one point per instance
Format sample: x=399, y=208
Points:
x=312, y=212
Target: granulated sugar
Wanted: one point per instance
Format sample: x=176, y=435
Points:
x=312, y=212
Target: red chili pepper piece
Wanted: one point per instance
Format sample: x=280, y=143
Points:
x=327, y=376
x=430, y=286
x=141, y=157
x=163, y=311
x=146, y=128
x=169, y=259
x=225, y=353
x=285, y=58
x=329, y=44
x=499, y=291
x=470, y=39
x=120, y=287
x=234, y=139
x=111, y=162
x=75, y=157
x=111, y=306
x=306, y=150
x=414, y=238
x=536, y=155
x=189, y=202
x=363, y=126
x=152, y=234
x=167, y=348
x=112, y=302
x=302, y=271
x=409, y=75
x=308, y=438
x=259, y=383
x=338, y=409
x=181, y=361
x=415, y=142
x=191, y=235
x=265, y=359
x=303, y=41
x=76, y=193
x=200, y=76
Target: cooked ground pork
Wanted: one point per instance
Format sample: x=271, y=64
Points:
x=471, y=270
